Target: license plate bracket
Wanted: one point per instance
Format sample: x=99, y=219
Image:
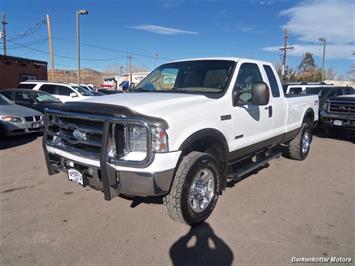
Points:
x=76, y=176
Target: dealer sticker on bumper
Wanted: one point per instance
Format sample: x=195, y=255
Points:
x=75, y=175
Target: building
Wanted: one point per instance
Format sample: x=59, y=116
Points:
x=115, y=81
x=16, y=69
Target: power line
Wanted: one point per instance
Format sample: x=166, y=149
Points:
x=113, y=50
x=32, y=43
x=69, y=57
x=29, y=31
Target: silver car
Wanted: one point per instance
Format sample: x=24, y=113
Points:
x=16, y=119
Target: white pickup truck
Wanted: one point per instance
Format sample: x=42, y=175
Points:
x=186, y=130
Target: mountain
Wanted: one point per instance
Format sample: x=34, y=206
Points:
x=87, y=75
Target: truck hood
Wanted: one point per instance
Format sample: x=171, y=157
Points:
x=152, y=104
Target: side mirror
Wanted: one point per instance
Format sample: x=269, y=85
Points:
x=260, y=94
x=73, y=95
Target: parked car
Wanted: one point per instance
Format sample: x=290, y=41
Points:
x=16, y=119
x=89, y=88
x=63, y=91
x=339, y=112
x=184, y=140
x=37, y=100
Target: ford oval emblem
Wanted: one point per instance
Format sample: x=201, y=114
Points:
x=79, y=135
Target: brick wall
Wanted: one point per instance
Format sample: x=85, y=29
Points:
x=13, y=69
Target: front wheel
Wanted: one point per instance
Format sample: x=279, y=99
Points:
x=299, y=147
x=194, y=192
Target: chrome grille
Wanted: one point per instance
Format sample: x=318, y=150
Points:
x=342, y=107
x=33, y=118
x=78, y=134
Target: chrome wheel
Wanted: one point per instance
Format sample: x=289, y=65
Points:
x=201, y=191
x=305, y=142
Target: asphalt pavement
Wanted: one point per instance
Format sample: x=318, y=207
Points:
x=288, y=209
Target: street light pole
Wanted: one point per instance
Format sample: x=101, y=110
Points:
x=78, y=13
x=324, y=40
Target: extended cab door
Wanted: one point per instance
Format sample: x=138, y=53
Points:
x=251, y=124
x=277, y=104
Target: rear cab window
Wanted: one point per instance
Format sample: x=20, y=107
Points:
x=294, y=90
x=275, y=90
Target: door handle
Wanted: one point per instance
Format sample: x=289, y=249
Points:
x=270, y=110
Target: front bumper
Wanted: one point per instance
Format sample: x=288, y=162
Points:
x=347, y=120
x=113, y=180
x=19, y=128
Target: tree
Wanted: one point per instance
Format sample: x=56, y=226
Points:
x=351, y=73
x=307, y=63
x=330, y=74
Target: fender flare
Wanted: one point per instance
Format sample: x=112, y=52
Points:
x=203, y=133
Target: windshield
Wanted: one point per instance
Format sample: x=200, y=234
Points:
x=83, y=91
x=44, y=97
x=205, y=76
x=4, y=100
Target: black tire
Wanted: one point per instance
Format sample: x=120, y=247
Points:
x=177, y=201
x=296, y=148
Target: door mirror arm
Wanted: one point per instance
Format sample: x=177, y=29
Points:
x=235, y=96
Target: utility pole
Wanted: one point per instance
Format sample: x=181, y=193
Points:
x=3, y=35
x=130, y=69
x=284, y=50
x=51, y=59
x=324, y=40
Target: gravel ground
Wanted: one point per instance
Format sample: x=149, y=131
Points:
x=289, y=209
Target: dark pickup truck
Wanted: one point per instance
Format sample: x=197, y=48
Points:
x=339, y=112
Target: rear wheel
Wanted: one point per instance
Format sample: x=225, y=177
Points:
x=194, y=192
x=299, y=147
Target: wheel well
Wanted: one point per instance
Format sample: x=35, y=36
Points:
x=212, y=144
x=309, y=117
x=208, y=144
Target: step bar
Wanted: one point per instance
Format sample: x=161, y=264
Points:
x=237, y=175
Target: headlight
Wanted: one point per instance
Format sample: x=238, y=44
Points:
x=138, y=139
x=9, y=118
x=325, y=106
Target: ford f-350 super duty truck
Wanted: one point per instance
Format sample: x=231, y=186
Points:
x=186, y=130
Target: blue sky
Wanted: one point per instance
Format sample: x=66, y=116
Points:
x=179, y=29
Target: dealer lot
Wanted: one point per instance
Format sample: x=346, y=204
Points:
x=289, y=209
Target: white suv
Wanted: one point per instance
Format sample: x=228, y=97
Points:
x=63, y=91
